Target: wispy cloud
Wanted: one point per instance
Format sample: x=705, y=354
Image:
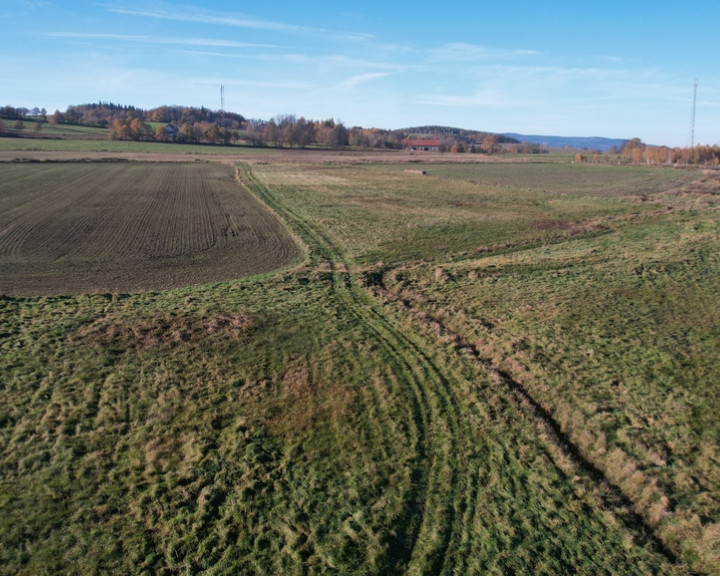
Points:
x=198, y=15
x=192, y=14
x=463, y=52
x=482, y=99
x=352, y=82
x=146, y=39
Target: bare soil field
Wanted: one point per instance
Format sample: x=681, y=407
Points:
x=109, y=227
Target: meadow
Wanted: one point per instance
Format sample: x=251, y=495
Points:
x=488, y=369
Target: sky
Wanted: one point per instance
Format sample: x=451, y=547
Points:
x=611, y=68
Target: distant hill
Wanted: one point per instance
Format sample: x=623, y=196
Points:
x=578, y=142
x=458, y=133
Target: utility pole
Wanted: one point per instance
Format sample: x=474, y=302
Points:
x=692, y=124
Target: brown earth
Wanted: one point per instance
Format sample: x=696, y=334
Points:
x=128, y=226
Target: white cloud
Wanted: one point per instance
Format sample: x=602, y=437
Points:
x=464, y=52
x=192, y=14
x=146, y=39
x=353, y=82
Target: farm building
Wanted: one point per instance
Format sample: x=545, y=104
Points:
x=171, y=131
x=424, y=145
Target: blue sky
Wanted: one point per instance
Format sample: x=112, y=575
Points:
x=609, y=68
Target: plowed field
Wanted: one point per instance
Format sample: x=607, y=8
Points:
x=97, y=227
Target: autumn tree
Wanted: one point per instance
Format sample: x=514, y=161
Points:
x=490, y=144
x=657, y=154
x=271, y=132
x=139, y=130
x=213, y=133
x=120, y=130
x=56, y=118
x=254, y=132
x=188, y=133
x=358, y=138
x=162, y=134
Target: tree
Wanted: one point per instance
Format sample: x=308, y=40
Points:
x=271, y=132
x=213, y=133
x=304, y=132
x=358, y=138
x=490, y=144
x=187, y=133
x=340, y=134
x=120, y=130
x=139, y=130
x=57, y=118
x=162, y=134
x=254, y=133
x=634, y=148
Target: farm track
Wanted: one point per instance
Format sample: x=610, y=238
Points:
x=436, y=483
x=444, y=493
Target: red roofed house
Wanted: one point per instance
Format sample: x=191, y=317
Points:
x=424, y=145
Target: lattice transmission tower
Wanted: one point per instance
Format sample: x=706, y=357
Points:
x=692, y=123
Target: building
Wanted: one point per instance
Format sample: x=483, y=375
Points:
x=424, y=145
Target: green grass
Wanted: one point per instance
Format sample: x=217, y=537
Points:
x=605, y=180
x=383, y=214
x=68, y=144
x=617, y=337
x=295, y=424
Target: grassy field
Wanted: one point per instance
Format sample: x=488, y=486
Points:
x=484, y=370
x=97, y=227
x=60, y=144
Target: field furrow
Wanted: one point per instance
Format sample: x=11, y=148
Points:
x=125, y=226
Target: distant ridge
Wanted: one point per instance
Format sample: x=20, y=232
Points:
x=434, y=130
x=578, y=142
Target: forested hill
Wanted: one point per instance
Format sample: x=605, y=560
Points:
x=103, y=113
x=439, y=131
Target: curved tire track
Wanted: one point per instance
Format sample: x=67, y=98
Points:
x=428, y=527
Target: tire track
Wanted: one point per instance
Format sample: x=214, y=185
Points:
x=559, y=443
x=429, y=525
x=442, y=499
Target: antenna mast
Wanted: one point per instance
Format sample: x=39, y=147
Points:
x=222, y=98
x=692, y=124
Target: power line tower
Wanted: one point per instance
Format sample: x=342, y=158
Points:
x=692, y=123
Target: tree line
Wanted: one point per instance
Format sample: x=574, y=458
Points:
x=202, y=125
x=635, y=151
x=185, y=124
